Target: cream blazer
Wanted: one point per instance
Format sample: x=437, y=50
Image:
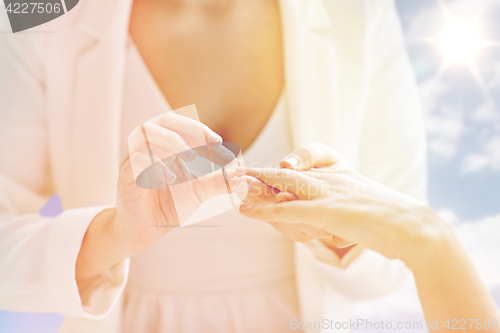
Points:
x=349, y=85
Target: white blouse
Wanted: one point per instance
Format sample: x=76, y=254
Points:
x=226, y=274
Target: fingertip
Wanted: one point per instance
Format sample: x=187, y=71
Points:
x=280, y=199
x=245, y=208
x=286, y=196
x=249, y=171
x=289, y=163
x=212, y=137
x=228, y=156
x=341, y=243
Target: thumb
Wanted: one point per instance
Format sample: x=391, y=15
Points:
x=311, y=155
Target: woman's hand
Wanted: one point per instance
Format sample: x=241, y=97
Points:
x=304, y=158
x=334, y=199
x=313, y=155
x=142, y=215
x=337, y=200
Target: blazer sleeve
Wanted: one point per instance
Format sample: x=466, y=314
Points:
x=38, y=254
x=392, y=151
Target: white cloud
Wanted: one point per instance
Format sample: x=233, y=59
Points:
x=431, y=91
x=487, y=111
x=443, y=122
x=446, y=121
x=444, y=131
x=489, y=157
x=493, y=77
x=431, y=21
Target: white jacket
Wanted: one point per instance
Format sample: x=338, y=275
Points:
x=349, y=85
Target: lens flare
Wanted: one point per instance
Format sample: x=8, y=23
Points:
x=461, y=43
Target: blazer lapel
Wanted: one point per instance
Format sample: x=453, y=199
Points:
x=96, y=117
x=310, y=73
x=326, y=71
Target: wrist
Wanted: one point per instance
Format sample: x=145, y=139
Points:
x=132, y=237
x=103, y=246
x=432, y=242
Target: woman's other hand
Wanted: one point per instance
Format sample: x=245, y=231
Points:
x=141, y=215
x=314, y=155
x=335, y=199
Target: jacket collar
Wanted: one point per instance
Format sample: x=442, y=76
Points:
x=317, y=17
x=97, y=17
x=310, y=72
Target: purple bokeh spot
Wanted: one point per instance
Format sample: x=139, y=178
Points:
x=53, y=207
x=17, y=322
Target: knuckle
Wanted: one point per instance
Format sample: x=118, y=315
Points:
x=279, y=209
x=307, y=152
x=317, y=144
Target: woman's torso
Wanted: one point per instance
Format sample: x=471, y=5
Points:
x=229, y=273
x=226, y=274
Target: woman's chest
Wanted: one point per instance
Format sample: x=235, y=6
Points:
x=228, y=62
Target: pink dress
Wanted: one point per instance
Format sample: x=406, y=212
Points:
x=226, y=274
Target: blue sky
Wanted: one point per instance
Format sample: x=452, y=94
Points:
x=462, y=115
x=462, y=112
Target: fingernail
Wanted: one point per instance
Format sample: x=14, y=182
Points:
x=292, y=161
x=281, y=199
x=214, y=138
x=227, y=157
x=245, y=207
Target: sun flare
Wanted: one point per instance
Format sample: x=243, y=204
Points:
x=461, y=43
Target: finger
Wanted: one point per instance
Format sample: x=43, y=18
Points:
x=301, y=215
x=311, y=155
x=312, y=232
x=156, y=142
x=298, y=212
x=285, y=180
x=195, y=133
x=258, y=192
x=340, y=242
x=286, y=196
x=211, y=185
x=165, y=143
x=292, y=233
x=151, y=176
x=147, y=145
x=217, y=153
x=368, y=222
